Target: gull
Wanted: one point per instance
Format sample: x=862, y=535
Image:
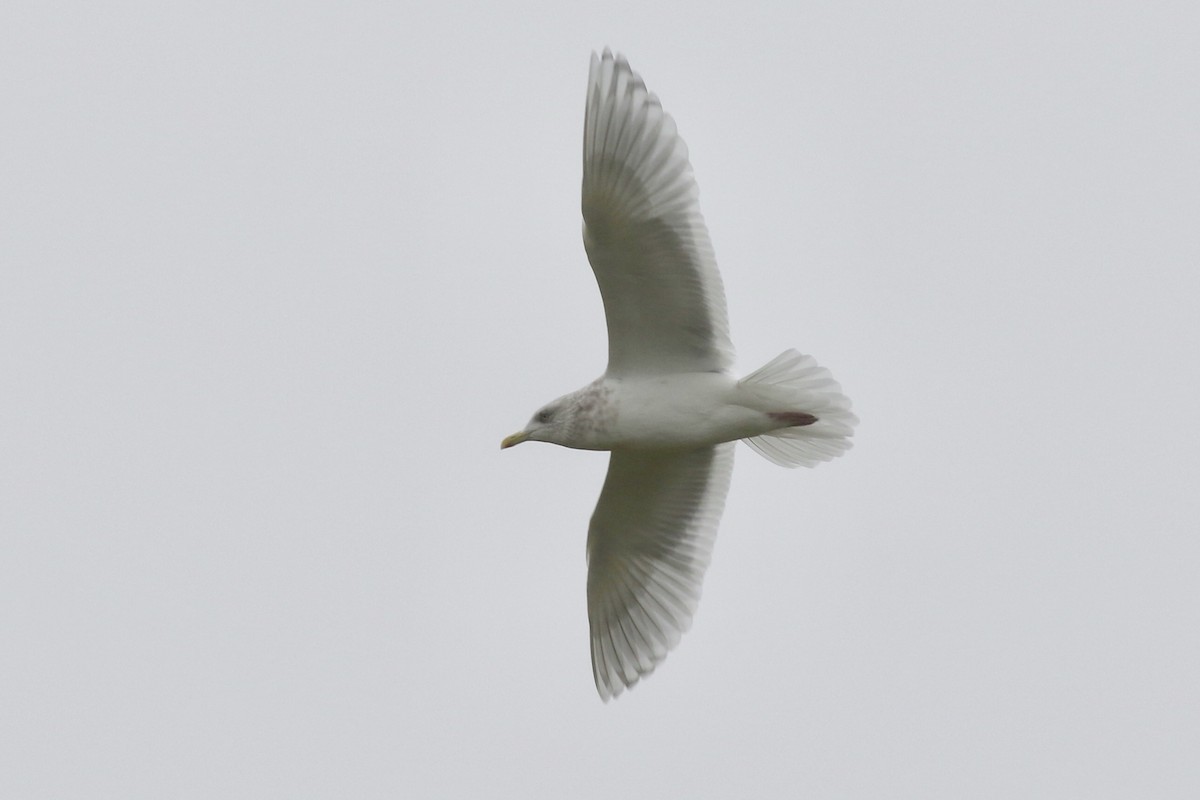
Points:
x=668, y=407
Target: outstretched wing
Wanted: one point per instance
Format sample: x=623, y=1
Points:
x=649, y=544
x=644, y=234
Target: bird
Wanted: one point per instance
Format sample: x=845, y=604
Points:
x=668, y=407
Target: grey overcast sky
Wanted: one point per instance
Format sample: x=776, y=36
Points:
x=276, y=278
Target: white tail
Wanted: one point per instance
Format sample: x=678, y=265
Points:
x=794, y=382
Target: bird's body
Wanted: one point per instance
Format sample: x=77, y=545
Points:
x=669, y=411
x=668, y=406
x=691, y=409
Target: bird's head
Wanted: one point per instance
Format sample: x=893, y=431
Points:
x=546, y=425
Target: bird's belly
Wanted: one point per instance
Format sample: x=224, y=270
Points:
x=680, y=411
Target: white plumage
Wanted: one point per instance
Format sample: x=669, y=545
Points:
x=668, y=406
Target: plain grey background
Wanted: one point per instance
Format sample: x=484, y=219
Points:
x=276, y=278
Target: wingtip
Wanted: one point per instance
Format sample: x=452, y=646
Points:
x=609, y=56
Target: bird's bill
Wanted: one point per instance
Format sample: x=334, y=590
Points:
x=516, y=438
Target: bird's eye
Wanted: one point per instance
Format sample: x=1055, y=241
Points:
x=545, y=415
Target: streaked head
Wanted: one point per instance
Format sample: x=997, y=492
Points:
x=543, y=426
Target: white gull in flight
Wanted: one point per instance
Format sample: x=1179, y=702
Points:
x=668, y=406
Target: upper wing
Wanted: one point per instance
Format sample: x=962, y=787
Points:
x=644, y=234
x=649, y=543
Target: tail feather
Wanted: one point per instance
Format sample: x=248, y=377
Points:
x=794, y=382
